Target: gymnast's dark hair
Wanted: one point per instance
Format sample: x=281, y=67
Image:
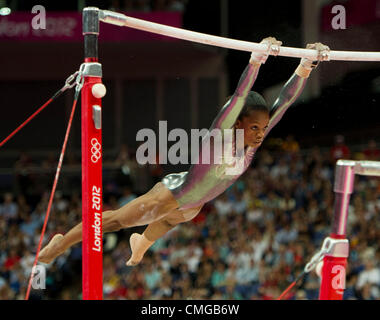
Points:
x=254, y=102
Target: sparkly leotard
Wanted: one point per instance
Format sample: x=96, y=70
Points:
x=205, y=181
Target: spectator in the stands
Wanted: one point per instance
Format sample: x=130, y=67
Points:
x=9, y=208
x=372, y=152
x=339, y=150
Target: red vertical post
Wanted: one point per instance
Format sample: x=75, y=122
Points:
x=92, y=248
x=334, y=263
x=333, y=276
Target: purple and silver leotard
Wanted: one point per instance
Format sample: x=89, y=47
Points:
x=205, y=181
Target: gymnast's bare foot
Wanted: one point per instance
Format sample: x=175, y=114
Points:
x=50, y=252
x=139, y=244
x=133, y=242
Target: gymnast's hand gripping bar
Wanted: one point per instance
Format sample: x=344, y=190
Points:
x=125, y=21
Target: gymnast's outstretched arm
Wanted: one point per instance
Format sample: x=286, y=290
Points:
x=293, y=87
x=289, y=93
x=229, y=113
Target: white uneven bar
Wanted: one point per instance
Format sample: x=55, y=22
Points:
x=362, y=167
x=367, y=168
x=123, y=20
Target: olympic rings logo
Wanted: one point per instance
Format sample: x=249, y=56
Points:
x=95, y=150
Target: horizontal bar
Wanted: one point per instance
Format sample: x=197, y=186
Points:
x=367, y=168
x=362, y=167
x=123, y=20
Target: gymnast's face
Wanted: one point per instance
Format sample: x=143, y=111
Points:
x=254, y=126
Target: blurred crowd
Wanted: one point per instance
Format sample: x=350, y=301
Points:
x=249, y=243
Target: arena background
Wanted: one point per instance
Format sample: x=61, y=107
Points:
x=249, y=243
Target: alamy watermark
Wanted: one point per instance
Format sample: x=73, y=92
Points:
x=339, y=281
x=39, y=20
x=39, y=277
x=339, y=20
x=218, y=146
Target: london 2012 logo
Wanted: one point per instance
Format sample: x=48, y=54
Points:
x=95, y=150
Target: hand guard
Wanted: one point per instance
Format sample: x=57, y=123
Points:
x=323, y=55
x=273, y=48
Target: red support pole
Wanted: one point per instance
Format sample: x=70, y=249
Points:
x=334, y=263
x=333, y=278
x=91, y=194
x=92, y=248
x=334, y=272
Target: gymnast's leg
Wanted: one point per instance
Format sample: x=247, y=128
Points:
x=150, y=207
x=140, y=243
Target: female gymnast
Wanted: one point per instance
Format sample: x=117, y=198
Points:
x=179, y=197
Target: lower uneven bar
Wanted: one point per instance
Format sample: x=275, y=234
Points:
x=367, y=168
